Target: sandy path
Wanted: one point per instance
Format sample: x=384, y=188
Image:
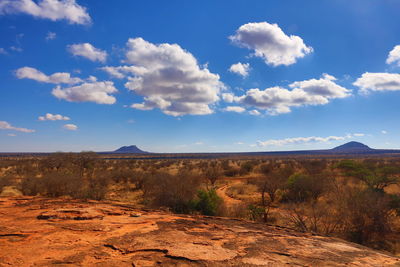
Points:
x=229, y=201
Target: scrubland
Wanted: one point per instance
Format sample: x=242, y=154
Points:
x=354, y=199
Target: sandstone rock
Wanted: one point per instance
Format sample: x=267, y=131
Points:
x=75, y=233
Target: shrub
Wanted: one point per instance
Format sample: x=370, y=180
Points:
x=5, y=181
x=256, y=213
x=173, y=191
x=207, y=202
x=59, y=183
x=96, y=188
x=32, y=186
x=303, y=187
x=367, y=216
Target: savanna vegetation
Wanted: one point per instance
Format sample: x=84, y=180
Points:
x=355, y=199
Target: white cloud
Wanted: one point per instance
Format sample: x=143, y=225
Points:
x=70, y=127
x=6, y=126
x=51, y=36
x=16, y=48
x=278, y=100
x=170, y=78
x=378, y=82
x=48, y=9
x=228, y=97
x=91, y=79
x=3, y=51
x=240, y=69
x=235, y=109
x=53, y=117
x=239, y=143
x=37, y=75
x=394, y=56
x=324, y=87
x=326, y=76
x=358, y=134
x=199, y=143
x=12, y=135
x=301, y=140
x=122, y=71
x=384, y=132
x=270, y=43
x=88, y=51
x=98, y=92
x=254, y=112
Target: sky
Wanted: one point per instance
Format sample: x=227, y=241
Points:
x=198, y=76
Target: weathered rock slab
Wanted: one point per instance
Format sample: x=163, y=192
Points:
x=62, y=232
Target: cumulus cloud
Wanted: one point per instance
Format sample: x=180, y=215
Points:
x=270, y=43
x=170, y=79
x=53, y=117
x=279, y=100
x=301, y=140
x=123, y=71
x=239, y=68
x=228, y=97
x=51, y=36
x=37, y=75
x=236, y=109
x=98, y=92
x=48, y=9
x=254, y=112
x=7, y=126
x=394, y=56
x=378, y=82
x=70, y=127
x=88, y=51
x=326, y=76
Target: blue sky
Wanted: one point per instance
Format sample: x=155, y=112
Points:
x=198, y=76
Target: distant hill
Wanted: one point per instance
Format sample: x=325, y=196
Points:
x=130, y=149
x=352, y=147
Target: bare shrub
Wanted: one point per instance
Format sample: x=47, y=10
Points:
x=367, y=217
x=173, y=191
x=6, y=180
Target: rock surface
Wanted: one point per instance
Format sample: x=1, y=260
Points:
x=61, y=232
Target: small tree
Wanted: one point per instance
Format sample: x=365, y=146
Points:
x=212, y=173
x=302, y=187
x=374, y=175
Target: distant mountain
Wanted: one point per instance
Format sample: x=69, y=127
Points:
x=352, y=147
x=129, y=149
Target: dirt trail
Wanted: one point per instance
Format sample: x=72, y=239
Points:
x=229, y=201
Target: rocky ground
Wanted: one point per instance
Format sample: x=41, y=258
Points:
x=61, y=232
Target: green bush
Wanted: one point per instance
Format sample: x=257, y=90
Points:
x=256, y=213
x=207, y=202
